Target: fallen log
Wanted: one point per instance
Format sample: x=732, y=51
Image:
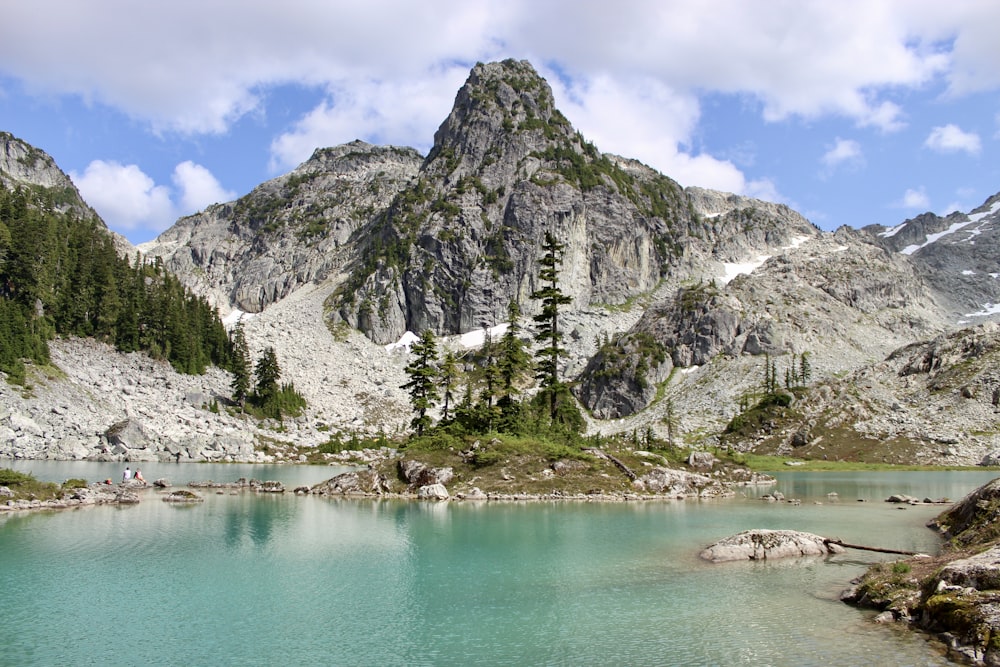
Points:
x=864, y=548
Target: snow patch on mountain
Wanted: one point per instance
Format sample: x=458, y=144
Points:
x=973, y=219
x=733, y=269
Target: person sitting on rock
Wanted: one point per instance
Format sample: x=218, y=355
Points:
x=138, y=476
x=127, y=475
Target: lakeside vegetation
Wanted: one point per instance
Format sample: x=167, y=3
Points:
x=24, y=486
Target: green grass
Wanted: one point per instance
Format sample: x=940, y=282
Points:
x=764, y=463
x=26, y=487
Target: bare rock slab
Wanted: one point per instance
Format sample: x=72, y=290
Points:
x=761, y=544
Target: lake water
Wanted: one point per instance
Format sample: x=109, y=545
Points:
x=265, y=580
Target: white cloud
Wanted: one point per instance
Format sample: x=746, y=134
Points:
x=386, y=112
x=915, y=200
x=951, y=139
x=129, y=200
x=124, y=196
x=198, y=188
x=844, y=152
x=794, y=58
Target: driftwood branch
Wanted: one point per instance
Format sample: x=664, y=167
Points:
x=864, y=548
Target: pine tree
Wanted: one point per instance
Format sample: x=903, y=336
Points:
x=423, y=376
x=448, y=379
x=670, y=420
x=548, y=335
x=240, y=365
x=513, y=363
x=267, y=373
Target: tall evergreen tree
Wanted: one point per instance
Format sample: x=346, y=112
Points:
x=240, y=365
x=548, y=335
x=513, y=363
x=423, y=380
x=805, y=368
x=448, y=380
x=267, y=373
x=486, y=408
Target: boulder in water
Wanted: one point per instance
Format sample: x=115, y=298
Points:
x=761, y=544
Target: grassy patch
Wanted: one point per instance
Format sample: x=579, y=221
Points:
x=770, y=463
x=26, y=487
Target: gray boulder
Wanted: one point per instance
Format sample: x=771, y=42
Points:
x=764, y=544
x=433, y=492
x=674, y=483
x=419, y=474
x=357, y=482
x=981, y=571
x=126, y=435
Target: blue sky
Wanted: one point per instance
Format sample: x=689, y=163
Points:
x=852, y=112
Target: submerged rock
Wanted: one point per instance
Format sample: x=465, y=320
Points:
x=764, y=544
x=182, y=496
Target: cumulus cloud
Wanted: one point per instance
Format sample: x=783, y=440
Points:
x=198, y=188
x=640, y=118
x=951, y=139
x=125, y=197
x=129, y=200
x=631, y=75
x=844, y=152
x=914, y=199
x=806, y=59
x=385, y=112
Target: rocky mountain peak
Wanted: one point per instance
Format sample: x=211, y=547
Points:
x=490, y=121
x=289, y=231
x=956, y=254
x=23, y=165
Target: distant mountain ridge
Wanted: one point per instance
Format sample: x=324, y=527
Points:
x=957, y=255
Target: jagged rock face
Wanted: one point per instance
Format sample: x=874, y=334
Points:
x=743, y=226
x=289, y=231
x=973, y=520
x=506, y=168
x=803, y=300
x=22, y=164
x=956, y=255
x=933, y=402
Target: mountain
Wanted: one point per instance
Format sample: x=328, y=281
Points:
x=957, y=255
x=683, y=299
x=287, y=232
x=24, y=166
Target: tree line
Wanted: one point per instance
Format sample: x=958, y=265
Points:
x=61, y=275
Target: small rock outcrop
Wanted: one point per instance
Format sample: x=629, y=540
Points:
x=183, y=496
x=764, y=544
x=356, y=482
x=419, y=474
x=678, y=484
x=953, y=595
x=433, y=492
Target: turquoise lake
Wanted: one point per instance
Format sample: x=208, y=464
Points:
x=300, y=580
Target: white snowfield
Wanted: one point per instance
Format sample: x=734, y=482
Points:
x=733, y=269
x=973, y=219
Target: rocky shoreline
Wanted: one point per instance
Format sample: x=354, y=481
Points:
x=954, y=596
